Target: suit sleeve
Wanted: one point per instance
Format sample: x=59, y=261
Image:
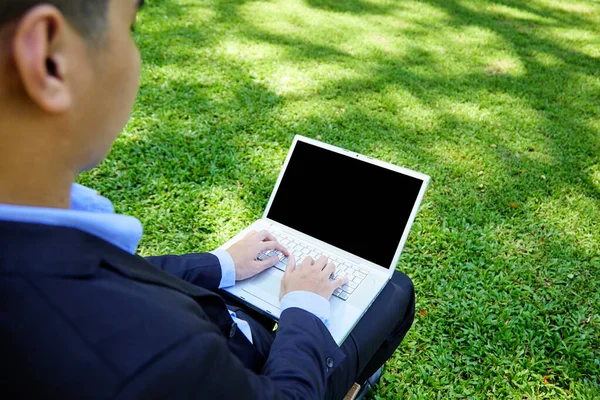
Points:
x=203, y=269
x=202, y=366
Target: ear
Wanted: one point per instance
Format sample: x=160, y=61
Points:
x=40, y=59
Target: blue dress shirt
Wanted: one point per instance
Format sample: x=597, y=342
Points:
x=94, y=214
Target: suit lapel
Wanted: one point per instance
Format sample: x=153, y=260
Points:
x=137, y=268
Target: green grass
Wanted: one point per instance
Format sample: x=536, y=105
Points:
x=496, y=101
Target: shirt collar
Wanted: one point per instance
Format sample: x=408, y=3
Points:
x=89, y=212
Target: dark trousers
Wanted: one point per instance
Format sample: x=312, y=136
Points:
x=371, y=343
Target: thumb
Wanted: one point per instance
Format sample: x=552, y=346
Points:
x=268, y=262
x=291, y=265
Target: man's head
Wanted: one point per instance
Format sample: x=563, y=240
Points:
x=69, y=72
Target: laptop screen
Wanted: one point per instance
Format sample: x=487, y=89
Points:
x=351, y=204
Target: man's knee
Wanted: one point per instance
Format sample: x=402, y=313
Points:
x=403, y=282
x=405, y=294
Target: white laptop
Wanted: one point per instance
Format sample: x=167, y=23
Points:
x=351, y=208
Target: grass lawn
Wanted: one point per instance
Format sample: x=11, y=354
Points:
x=496, y=100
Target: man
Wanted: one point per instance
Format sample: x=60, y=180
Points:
x=83, y=316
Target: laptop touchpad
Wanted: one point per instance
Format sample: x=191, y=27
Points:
x=266, y=286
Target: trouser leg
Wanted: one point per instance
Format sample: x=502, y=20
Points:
x=377, y=335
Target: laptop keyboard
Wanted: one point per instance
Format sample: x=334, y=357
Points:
x=302, y=250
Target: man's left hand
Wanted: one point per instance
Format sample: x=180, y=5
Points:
x=245, y=252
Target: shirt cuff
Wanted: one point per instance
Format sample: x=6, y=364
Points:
x=308, y=301
x=227, y=268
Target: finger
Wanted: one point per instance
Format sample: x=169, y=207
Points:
x=265, y=235
x=285, y=251
x=307, y=262
x=274, y=246
x=291, y=265
x=329, y=270
x=321, y=262
x=339, y=282
x=250, y=234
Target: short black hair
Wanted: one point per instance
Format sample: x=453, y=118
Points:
x=88, y=17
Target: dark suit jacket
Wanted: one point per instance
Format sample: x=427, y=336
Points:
x=81, y=318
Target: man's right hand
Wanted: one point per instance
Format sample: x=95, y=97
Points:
x=310, y=276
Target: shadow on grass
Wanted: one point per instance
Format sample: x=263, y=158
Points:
x=352, y=6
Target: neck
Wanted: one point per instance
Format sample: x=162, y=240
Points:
x=28, y=184
x=37, y=167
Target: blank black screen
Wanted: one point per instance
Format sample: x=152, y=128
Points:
x=351, y=204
